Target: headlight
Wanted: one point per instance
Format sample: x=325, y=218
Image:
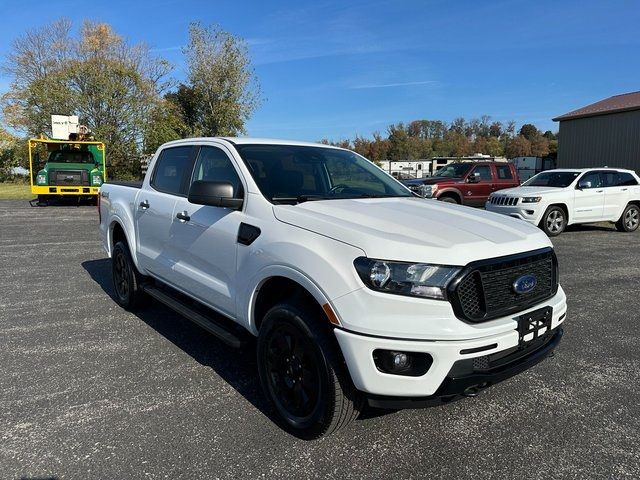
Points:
x=531, y=199
x=425, y=191
x=97, y=179
x=403, y=278
x=41, y=178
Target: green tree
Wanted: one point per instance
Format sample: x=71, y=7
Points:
x=165, y=123
x=539, y=146
x=457, y=144
x=225, y=89
x=111, y=85
x=518, y=147
x=529, y=131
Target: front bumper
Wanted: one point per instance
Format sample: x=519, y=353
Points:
x=64, y=190
x=358, y=350
x=465, y=380
x=531, y=213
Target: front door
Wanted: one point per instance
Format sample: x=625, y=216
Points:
x=588, y=203
x=203, y=239
x=477, y=193
x=154, y=209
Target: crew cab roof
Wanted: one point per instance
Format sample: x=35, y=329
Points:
x=253, y=141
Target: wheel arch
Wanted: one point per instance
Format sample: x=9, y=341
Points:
x=280, y=283
x=118, y=232
x=561, y=205
x=451, y=192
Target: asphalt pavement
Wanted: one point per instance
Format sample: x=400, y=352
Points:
x=88, y=390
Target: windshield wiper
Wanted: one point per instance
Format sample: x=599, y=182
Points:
x=298, y=199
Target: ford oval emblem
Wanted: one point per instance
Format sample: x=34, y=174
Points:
x=524, y=284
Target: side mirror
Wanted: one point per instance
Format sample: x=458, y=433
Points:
x=214, y=194
x=473, y=178
x=584, y=184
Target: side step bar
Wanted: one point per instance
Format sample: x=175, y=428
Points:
x=207, y=323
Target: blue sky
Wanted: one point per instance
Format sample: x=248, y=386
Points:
x=334, y=69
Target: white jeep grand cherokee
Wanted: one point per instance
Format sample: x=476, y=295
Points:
x=357, y=290
x=556, y=198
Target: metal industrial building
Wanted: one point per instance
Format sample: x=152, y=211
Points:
x=603, y=133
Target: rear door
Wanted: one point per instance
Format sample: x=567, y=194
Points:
x=477, y=193
x=589, y=198
x=617, y=187
x=203, y=240
x=154, y=208
x=504, y=177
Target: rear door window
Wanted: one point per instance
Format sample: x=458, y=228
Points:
x=618, y=179
x=172, y=169
x=504, y=172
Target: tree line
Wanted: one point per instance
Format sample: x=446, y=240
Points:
x=423, y=139
x=124, y=92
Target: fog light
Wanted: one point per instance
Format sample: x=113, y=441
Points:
x=400, y=359
x=412, y=364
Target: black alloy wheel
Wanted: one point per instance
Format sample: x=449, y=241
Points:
x=127, y=281
x=303, y=374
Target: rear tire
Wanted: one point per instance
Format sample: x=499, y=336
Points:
x=630, y=219
x=303, y=374
x=554, y=221
x=127, y=281
x=449, y=199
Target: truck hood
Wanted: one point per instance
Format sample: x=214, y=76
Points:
x=530, y=191
x=69, y=166
x=414, y=229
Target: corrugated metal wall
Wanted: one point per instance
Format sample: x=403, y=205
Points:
x=612, y=140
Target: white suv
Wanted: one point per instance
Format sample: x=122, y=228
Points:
x=556, y=198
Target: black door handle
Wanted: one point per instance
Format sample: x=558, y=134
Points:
x=144, y=205
x=183, y=216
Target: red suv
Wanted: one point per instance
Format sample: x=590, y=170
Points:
x=466, y=183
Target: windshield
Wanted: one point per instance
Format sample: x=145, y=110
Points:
x=453, y=170
x=291, y=174
x=71, y=156
x=552, y=179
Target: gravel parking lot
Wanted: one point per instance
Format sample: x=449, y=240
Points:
x=89, y=390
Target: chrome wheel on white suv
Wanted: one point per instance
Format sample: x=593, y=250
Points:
x=630, y=219
x=554, y=221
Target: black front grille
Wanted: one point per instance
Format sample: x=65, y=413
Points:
x=484, y=289
x=68, y=177
x=503, y=200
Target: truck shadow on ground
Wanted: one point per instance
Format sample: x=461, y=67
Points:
x=237, y=367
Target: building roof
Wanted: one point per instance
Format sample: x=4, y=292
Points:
x=618, y=103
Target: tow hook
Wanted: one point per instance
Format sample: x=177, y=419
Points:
x=474, y=390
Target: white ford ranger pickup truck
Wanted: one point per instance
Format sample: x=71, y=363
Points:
x=357, y=290
x=555, y=199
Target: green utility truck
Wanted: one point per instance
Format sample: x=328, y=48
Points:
x=66, y=168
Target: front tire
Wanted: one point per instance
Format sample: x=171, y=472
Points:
x=630, y=219
x=127, y=281
x=303, y=374
x=449, y=199
x=554, y=221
